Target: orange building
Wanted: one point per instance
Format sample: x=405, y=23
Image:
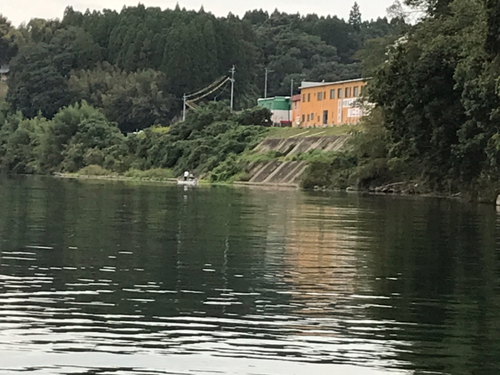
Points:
x=296, y=112
x=330, y=103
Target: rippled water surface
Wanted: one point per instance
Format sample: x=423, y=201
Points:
x=117, y=278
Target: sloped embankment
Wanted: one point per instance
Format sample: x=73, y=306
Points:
x=288, y=173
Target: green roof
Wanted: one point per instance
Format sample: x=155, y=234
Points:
x=279, y=103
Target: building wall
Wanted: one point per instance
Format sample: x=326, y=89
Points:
x=280, y=108
x=296, y=111
x=321, y=104
x=279, y=116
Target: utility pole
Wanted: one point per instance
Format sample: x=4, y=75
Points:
x=184, y=107
x=265, y=85
x=291, y=88
x=265, y=82
x=233, y=70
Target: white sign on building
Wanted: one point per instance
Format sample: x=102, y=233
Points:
x=354, y=112
x=349, y=102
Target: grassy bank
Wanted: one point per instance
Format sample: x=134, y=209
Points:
x=155, y=174
x=282, y=133
x=97, y=172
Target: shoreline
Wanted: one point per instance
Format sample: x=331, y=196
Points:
x=169, y=181
x=112, y=178
x=266, y=186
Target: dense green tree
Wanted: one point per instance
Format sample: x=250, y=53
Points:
x=7, y=45
x=433, y=7
x=192, y=50
x=375, y=53
x=133, y=100
x=298, y=55
x=80, y=135
x=22, y=141
x=355, y=17
x=256, y=17
x=35, y=82
x=209, y=136
x=438, y=92
x=493, y=24
x=74, y=49
x=41, y=30
x=39, y=73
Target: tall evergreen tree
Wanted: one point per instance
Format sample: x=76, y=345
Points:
x=355, y=17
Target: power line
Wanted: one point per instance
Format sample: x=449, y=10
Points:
x=211, y=91
x=224, y=89
x=215, y=83
x=188, y=100
x=191, y=102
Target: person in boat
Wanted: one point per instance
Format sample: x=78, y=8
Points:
x=186, y=175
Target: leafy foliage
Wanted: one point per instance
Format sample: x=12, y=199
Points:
x=133, y=100
x=8, y=43
x=35, y=82
x=80, y=138
x=364, y=164
x=255, y=116
x=436, y=91
x=132, y=64
x=199, y=144
x=77, y=85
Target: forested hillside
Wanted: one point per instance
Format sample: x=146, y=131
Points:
x=136, y=64
x=436, y=127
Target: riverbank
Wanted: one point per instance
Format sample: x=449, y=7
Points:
x=173, y=181
x=278, y=162
x=387, y=190
x=283, y=161
x=112, y=178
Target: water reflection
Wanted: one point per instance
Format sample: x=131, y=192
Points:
x=119, y=278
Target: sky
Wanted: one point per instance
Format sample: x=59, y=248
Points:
x=23, y=10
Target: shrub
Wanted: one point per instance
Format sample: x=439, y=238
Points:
x=333, y=174
x=94, y=170
x=255, y=116
x=157, y=174
x=227, y=170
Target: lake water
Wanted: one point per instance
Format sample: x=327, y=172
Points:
x=119, y=278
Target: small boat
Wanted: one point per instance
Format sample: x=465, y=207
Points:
x=189, y=182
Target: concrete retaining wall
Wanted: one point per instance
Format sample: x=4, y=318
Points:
x=288, y=173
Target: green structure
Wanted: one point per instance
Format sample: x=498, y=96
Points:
x=280, y=107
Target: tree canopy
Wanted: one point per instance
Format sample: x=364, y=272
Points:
x=438, y=92
x=153, y=57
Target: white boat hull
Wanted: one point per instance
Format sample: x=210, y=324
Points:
x=188, y=182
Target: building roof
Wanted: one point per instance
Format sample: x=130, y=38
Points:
x=296, y=98
x=308, y=84
x=275, y=103
x=273, y=98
